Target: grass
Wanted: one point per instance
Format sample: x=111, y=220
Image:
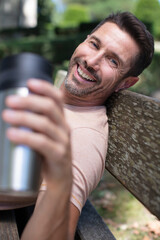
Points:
x=126, y=217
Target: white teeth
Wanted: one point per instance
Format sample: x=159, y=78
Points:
x=82, y=74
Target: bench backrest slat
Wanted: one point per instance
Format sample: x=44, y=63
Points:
x=134, y=145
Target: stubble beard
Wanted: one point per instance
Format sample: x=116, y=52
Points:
x=76, y=90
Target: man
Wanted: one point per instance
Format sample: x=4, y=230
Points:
x=73, y=137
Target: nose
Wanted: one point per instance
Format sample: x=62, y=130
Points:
x=94, y=60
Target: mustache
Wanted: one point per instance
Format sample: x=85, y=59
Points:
x=91, y=70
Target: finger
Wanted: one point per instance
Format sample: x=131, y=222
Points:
x=57, y=157
x=38, y=142
x=47, y=89
x=36, y=122
x=39, y=104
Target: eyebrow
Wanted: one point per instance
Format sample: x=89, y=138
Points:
x=95, y=38
x=114, y=54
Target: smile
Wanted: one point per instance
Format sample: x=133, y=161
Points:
x=84, y=75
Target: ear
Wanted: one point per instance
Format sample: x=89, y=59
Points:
x=126, y=83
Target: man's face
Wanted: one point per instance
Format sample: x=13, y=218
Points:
x=99, y=63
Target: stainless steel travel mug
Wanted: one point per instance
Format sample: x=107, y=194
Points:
x=19, y=165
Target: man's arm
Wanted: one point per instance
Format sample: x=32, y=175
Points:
x=73, y=220
x=65, y=221
x=50, y=218
x=43, y=113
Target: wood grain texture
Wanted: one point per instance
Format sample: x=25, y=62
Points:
x=134, y=145
x=8, y=227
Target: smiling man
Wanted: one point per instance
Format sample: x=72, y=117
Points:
x=70, y=126
x=99, y=64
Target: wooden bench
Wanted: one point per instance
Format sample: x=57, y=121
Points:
x=133, y=158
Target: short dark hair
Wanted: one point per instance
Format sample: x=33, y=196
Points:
x=137, y=30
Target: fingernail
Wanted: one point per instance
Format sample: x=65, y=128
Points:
x=11, y=132
x=13, y=99
x=8, y=114
x=34, y=82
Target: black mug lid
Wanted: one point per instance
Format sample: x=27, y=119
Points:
x=15, y=70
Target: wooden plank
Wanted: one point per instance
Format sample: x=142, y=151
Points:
x=8, y=227
x=91, y=225
x=134, y=145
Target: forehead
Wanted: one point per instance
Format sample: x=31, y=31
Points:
x=112, y=38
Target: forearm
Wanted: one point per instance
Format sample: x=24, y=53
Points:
x=51, y=216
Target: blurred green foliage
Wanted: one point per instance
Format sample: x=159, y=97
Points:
x=150, y=78
x=100, y=9
x=56, y=49
x=74, y=15
x=149, y=13
x=46, y=11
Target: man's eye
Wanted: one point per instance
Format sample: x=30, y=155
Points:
x=94, y=44
x=113, y=61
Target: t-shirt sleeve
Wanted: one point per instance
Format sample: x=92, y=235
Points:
x=89, y=148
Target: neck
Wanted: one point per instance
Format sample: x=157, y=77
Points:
x=78, y=101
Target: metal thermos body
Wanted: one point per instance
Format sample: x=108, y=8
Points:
x=20, y=166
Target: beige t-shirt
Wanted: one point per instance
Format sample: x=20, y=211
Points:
x=89, y=139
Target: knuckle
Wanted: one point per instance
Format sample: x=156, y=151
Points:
x=65, y=136
x=22, y=117
x=42, y=142
x=62, y=151
x=49, y=106
x=45, y=125
x=26, y=101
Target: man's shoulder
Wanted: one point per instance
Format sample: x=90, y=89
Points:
x=87, y=117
